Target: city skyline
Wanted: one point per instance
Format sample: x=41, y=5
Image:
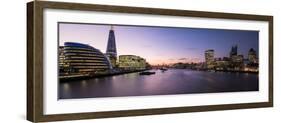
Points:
x=161, y=45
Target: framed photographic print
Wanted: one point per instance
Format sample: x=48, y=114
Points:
x=96, y=61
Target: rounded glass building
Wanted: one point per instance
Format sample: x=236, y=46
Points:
x=84, y=59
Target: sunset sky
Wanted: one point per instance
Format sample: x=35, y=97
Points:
x=161, y=45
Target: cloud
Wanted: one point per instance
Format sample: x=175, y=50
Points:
x=182, y=59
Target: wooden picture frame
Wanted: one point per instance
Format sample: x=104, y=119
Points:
x=35, y=45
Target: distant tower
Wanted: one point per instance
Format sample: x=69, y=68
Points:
x=209, y=58
x=233, y=51
x=111, y=51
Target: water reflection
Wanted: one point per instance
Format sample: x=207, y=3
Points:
x=84, y=83
x=173, y=81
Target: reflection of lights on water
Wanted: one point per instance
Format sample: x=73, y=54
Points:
x=84, y=83
x=130, y=75
x=66, y=87
x=96, y=80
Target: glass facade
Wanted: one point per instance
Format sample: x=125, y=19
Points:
x=233, y=51
x=111, y=50
x=252, y=56
x=209, y=58
x=83, y=59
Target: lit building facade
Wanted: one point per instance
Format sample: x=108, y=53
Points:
x=221, y=63
x=111, y=51
x=238, y=59
x=84, y=59
x=62, y=65
x=252, y=56
x=235, y=61
x=132, y=62
x=209, y=58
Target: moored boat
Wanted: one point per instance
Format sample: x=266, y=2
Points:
x=146, y=73
x=163, y=69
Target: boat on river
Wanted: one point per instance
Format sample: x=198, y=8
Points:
x=163, y=69
x=146, y=73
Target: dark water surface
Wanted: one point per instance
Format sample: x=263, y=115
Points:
x=173, y=81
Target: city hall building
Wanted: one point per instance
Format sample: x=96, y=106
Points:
x=78, y=58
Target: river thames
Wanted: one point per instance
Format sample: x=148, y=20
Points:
x=172, y=81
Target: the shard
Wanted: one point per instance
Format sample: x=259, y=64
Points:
x=111, y=50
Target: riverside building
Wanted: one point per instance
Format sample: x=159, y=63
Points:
x=132, y=62
x=209, y=58
x=83, y=59
x=252, y=56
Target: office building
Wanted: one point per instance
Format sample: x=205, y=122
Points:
x=209, y=58
x=252, y=56
x=111, y=51
x=132, y=62
x=84, y=59
x=233, y=51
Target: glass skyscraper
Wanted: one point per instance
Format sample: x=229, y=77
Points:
x=233, y=51
x=111, y=51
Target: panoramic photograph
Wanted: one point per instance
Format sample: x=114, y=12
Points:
x=108, y=60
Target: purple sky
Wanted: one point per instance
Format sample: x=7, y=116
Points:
x=161, y=45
